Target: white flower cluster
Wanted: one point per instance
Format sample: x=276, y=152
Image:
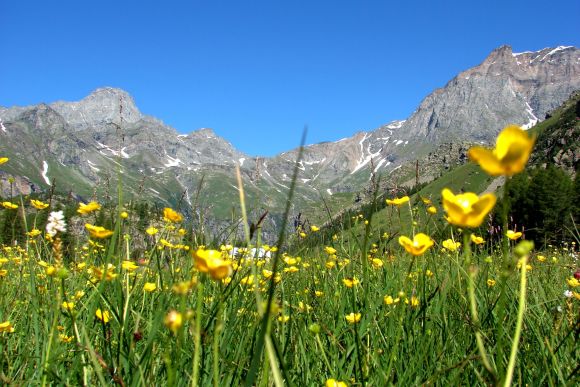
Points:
x=55, y=223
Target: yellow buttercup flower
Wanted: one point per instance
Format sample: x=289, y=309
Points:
x=334, y=383
x=291, y=269
x=102, y=273
x=211, y=261
x=149, y=287
x=184, y=287
x=467, y=209
x=170, y=215
x=3, y=160
x=329, y=250
x=152, y=231
x=124, y=215
x=353, y=318
x=291, y=260
x=398, y=201
x=130, y=266
x=418, y=245
x=511, y=234
x=432, y=210
x=248, y=280
x=9, y=205
x=377, y=263
x=104, y=316
x=6, y=327
x=34, y=233
x=38, y=204
x=98, y=232
x=451, y=245
x=350, y=282
x=510, y=155
x=477, y=239
x=314, y=228
x=414, y=302
x=85, y=209
x=173, y=320
x=304, y=307
x=573, y=282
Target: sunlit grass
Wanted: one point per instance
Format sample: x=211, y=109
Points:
x=105, y=316
x=151, y=305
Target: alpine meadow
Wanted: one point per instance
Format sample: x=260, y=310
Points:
x=438, y=250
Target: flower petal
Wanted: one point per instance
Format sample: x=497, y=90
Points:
x=486, y=159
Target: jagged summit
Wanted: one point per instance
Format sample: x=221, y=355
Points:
x=103, y=105
x=504, y=89
x=548, y=50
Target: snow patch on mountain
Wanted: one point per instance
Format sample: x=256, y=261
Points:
x=396, y=124
x=533, y=119
x=121, y=153
x=380, y=163
x=44, y=172
x=93, y=166
x=394, y=169
x=172, y=162
x=314, y=162
x=364, y=160
x=555, y=50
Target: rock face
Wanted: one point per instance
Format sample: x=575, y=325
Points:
x=559, y=142
x=507, y=88
x=103, y=106
x=82, y=146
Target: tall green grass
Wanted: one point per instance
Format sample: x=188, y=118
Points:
x=226, y=325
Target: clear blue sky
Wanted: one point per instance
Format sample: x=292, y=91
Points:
x=258, y=71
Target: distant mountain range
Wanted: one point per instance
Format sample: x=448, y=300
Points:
x=83, y=146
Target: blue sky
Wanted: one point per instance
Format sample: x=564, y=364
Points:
x=258, y=71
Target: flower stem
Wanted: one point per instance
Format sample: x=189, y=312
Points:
x=472, y=271
x=197, y=338
x=216, y=342
x=519, y=322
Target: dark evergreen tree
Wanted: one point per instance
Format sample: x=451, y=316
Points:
x=541, y=202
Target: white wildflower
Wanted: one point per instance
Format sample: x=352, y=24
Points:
x=55, y=223
x=568, y=294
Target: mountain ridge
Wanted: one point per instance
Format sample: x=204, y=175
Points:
x=82, y=145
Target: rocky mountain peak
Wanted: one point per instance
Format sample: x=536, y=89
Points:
x=208, y=132
x=506, y=88
x=103, y=106
x=501, y=54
